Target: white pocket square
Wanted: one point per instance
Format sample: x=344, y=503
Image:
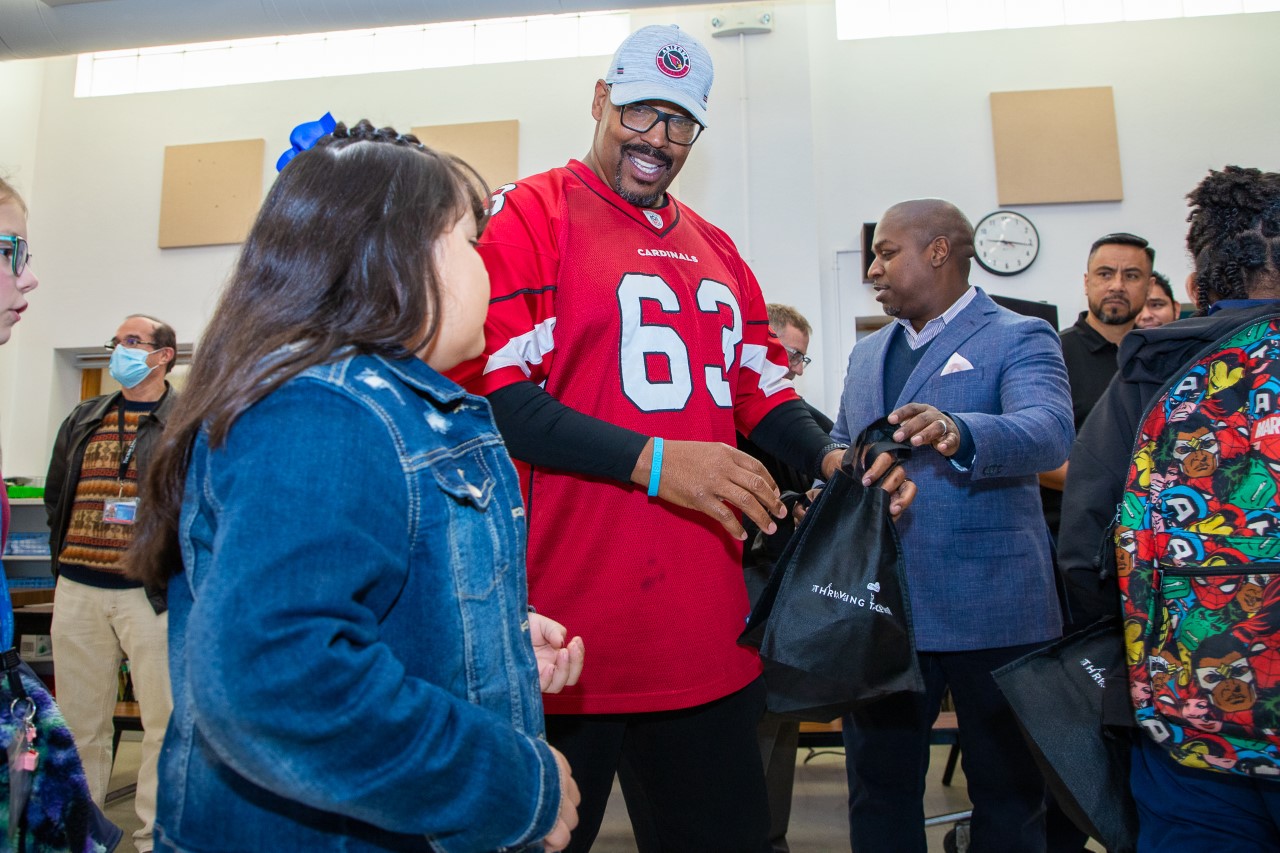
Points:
x=956, y=364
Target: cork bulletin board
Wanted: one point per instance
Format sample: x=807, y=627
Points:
x=1056, y=145
x=210, y=193
x=491, y=147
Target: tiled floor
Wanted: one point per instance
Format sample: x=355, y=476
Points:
x=818, y=822
x=123, y=773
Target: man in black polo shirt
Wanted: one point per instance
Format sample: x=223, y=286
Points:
x=1116, y=281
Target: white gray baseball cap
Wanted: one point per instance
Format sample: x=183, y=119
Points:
x=662, y=63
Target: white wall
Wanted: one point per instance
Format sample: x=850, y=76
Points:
x=22, y=83
x=94, y=226
x=834, y=133
x=908, y=117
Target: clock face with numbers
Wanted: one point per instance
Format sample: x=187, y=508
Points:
x=1006, y=243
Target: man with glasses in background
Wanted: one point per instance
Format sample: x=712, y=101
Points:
x=100, y=616
x=779, y=736
x=626, y=342
x=792, y=331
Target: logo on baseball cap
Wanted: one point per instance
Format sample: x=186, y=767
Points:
x=662, y=63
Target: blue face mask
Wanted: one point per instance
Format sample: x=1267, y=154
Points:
x=129, y=366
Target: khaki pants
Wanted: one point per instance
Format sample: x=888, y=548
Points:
x=93, y=630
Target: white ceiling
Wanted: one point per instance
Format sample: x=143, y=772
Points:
x=36, y=28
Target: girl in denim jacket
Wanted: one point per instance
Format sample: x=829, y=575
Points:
x=342, y=537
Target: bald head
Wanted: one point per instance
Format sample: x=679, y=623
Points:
x=930, y=218
x=921, y=258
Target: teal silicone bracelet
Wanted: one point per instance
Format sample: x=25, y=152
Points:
x=655, y=470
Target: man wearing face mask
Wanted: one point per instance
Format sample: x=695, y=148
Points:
x=101, y=616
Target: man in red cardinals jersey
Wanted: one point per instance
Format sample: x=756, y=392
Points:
x=626, y=342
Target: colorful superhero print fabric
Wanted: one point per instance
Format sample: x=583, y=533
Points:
x=1198, y=557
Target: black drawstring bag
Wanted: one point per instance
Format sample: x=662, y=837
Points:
x=1071, y=699
x=834, y=625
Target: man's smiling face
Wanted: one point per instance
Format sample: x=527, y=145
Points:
x=639, y=166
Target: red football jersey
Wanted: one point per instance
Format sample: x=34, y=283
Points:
x=648, y=319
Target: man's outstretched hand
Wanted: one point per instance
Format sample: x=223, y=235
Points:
x=712, y=477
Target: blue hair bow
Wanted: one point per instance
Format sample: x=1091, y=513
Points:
x=304, y=136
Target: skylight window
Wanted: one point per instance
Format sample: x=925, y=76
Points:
x=258, y=60
x=865, y=19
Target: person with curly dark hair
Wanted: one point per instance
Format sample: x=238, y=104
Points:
x=1234, y=239
x=340, y=531
x=1235, y=236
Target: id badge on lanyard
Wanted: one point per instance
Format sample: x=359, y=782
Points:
x=121, y=510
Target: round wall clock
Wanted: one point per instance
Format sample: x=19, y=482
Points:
x=1005, y=242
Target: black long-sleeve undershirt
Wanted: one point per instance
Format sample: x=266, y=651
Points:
x=541, y=430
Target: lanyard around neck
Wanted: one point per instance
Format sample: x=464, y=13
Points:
x=126, y=454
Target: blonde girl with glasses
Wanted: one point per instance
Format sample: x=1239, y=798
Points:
x=44, y=801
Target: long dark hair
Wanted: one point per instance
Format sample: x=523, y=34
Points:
x=340, y=258
x=1235, y=235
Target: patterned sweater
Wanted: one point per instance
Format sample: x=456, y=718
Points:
x=93, y=547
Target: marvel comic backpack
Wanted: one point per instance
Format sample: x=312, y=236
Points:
x=1198, y=559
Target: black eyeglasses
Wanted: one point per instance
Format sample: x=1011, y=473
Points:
x=131, y=341
x=18, y=252
x=641, y=118
x=794, y=356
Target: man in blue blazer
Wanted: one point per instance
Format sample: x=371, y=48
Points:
x=982, y=393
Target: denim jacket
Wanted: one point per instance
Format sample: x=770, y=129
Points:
x=349, y=642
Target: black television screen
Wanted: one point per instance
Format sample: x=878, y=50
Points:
x=1043, y=310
